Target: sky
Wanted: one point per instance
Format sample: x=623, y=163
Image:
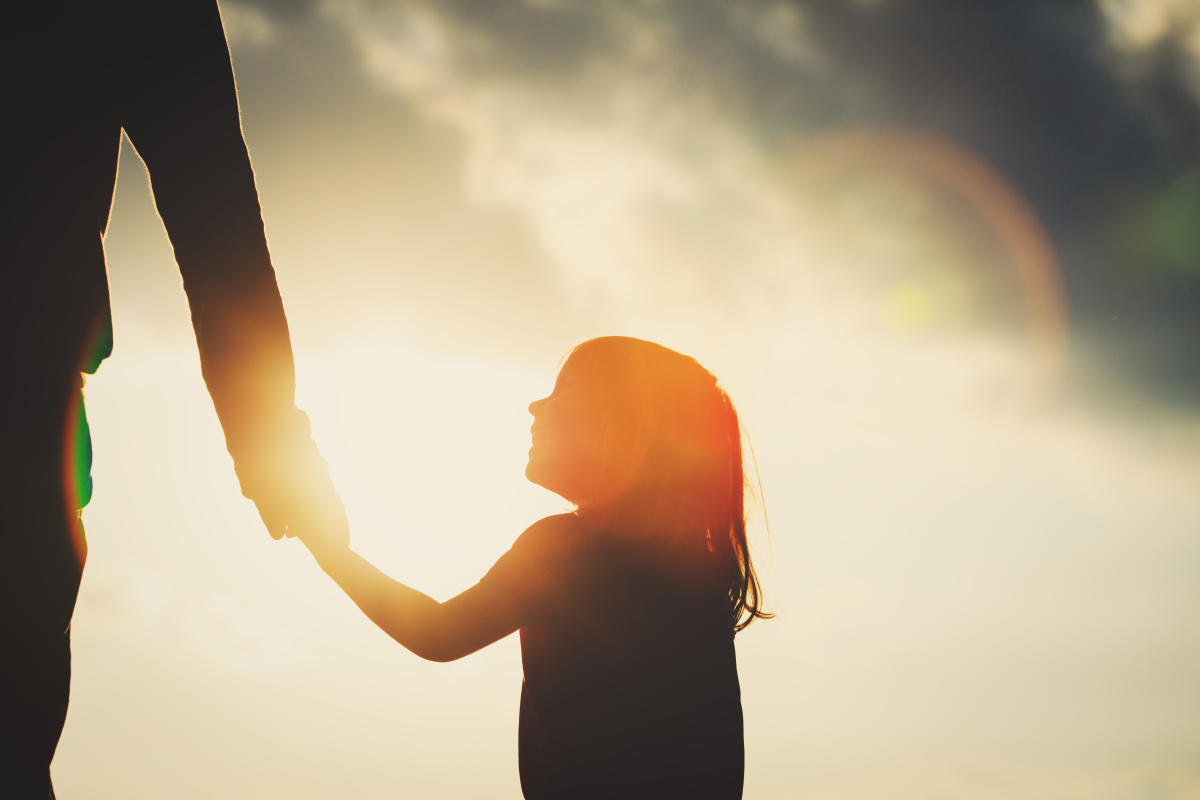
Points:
x=942, y=256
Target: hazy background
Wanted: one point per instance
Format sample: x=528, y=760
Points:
x=944, y=256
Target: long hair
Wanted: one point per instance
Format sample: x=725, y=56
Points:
x=672, y=457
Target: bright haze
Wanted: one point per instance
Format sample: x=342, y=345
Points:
x=944, y=257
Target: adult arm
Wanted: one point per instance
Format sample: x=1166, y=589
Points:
x=181, y=113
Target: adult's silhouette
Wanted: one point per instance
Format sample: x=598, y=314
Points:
x=76, y=75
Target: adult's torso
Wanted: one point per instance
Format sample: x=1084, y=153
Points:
x=67, y=68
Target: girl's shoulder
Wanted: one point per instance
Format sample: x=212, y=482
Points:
x=552, y=534
x=556, y=523
x=541, y=556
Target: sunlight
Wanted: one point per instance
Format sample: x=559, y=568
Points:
x=430, y=449
x=978, y=572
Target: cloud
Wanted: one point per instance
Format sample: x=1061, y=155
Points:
x=653, y=138
x=1150, y=24
x=230, y=634
x=247, y=25
x=572, y=113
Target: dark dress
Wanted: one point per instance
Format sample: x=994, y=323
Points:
x=631, y=686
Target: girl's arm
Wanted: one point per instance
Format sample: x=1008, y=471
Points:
x=432, y=630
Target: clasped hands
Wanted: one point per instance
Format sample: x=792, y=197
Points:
x=291, y=488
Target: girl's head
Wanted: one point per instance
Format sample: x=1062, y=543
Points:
x=644, y=437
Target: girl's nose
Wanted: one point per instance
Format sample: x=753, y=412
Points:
x=536, y=406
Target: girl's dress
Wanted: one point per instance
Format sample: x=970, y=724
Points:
x=631, y=686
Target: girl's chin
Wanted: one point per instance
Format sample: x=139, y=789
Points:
x=538, y=474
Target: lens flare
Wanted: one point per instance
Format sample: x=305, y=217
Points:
x=76, y=469
x=984, y=190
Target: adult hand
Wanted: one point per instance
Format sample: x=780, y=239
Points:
x=289, y=484
x=320, y=522
x=307, y=506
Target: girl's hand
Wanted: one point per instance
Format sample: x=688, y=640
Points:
x=323, y=541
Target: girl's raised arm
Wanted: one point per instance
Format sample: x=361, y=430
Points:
x=483, y=614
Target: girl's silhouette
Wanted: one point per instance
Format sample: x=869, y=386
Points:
x=627, y=607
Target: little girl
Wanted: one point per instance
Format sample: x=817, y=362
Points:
x=627, y=606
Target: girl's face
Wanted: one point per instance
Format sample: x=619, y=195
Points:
x=569, y=453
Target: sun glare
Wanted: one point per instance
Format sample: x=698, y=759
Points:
x=430, y=449
x=975, y=560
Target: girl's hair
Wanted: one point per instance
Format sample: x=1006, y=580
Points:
x=671, y=457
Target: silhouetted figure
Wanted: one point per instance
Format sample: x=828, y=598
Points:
x=626, y=607
x=76, y=75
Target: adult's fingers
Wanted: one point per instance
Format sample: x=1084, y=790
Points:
x=274, y=521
